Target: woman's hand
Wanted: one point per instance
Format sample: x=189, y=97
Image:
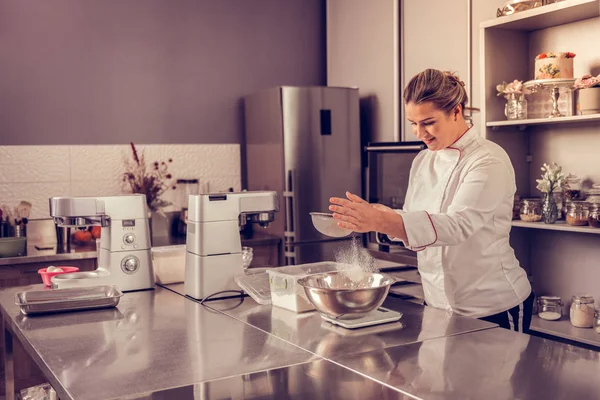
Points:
x=358, y=215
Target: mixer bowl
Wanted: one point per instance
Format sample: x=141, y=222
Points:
x=327, y=225
x=347, y=294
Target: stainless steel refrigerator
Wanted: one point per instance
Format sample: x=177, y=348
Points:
x=303, y=142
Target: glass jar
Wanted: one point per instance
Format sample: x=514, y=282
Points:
x=531, y=210
x=593, y=195
x=550, y=307
x=577, y=213
x=510, y=108
x=594, y=215
x=582, y=311
x=597, y=321
x=572, y=187
x=521, y=107
x=516, y=206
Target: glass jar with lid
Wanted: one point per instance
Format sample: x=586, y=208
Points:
x=531, y=210
x=572, y=186
x=597, y=321
x=550, y=307
x=594, y=215
x=582, y=311
x=593, y=195
x=577, y=213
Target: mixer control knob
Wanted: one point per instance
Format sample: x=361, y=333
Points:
x=129, y=238
x=130, y=264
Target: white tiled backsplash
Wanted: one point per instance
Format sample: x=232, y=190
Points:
x=36, y=173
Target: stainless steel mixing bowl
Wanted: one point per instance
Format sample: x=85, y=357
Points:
x=346, y=294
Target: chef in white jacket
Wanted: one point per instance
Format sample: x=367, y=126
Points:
x=457, y=212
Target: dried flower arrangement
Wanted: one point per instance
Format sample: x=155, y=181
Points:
x=552, y=178
x=506, y=89
x=152, y=181
x=587, y=81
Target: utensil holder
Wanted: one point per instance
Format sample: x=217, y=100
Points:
x=18, y=230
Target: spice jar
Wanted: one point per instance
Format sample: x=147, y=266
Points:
x=597, y=321
x=594, y=215
x=550, y=307
x=582, y=311
x=577, y=213
x=531, y=210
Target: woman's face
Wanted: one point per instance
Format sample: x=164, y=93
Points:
x=434, y=127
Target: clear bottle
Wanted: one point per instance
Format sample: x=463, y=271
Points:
x=531, y=210
x=550, y=307
x=597, y=321
x=577, y=213
x=582, y=311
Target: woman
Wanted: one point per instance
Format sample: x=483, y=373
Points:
x=457, y=213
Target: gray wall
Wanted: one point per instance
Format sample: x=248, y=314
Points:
x=148, y=71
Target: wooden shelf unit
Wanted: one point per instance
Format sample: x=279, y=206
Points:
x=508, y=48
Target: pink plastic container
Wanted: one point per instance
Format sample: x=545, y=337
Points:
x=47, y=276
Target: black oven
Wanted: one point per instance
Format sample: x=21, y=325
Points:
x=386, y=179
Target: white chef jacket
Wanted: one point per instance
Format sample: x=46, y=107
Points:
x=457, y=215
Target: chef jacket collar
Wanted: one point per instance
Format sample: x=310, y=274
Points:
x=464, y=139
x=455, y=150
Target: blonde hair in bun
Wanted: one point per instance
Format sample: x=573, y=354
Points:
x=442, y=88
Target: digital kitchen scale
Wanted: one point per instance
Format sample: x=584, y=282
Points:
x=381, y=315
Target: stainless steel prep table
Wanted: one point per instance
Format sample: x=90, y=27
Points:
x=316, y=380
x=152, y=341
x=310, y=332
x=493, y=364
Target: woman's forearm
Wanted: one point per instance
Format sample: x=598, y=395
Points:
x=393, y=226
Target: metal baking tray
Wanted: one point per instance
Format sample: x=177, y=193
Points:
x=63, y=300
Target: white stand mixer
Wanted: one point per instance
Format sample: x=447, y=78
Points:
x=213, y=245
x=124, y=259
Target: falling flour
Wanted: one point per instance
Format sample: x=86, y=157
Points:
x=356, y=256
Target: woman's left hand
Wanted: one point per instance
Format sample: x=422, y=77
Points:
x=358, y=215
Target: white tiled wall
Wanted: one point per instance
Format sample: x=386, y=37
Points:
x=36, y=173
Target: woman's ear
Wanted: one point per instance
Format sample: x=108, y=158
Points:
x=457, y=112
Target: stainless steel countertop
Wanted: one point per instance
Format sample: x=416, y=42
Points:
x=319, y=380
x=34, y=255
x=493, y=364
x=159, y=344
x=310, y=332
x=153, y=340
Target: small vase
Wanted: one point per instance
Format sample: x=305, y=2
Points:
x=549, y=209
